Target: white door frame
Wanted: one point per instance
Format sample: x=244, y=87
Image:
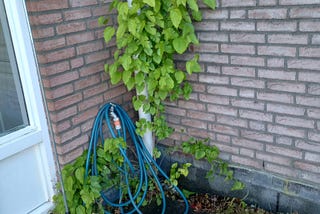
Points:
x=37, y=131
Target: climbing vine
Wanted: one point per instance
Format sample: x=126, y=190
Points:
x=148, y=35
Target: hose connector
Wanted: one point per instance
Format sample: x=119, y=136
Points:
x=115, y=118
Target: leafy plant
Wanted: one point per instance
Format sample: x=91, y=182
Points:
x=148, y=35
x=200, y=150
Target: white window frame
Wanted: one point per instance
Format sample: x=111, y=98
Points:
x=37, y=130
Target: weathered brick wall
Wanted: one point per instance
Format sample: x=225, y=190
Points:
x=71, y=55
x=258, y=98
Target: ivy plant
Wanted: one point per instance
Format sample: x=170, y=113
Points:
x=148, y=35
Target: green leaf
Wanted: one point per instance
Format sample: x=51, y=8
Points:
x=176, y=17
x=199, y=154
x=126, y=61
x=179, y=75
x=108, y=33
x=197, y=15
x=115, y=75
x=151, y=3
x=193, y=5
x=121, y=30
x=237, y=185
x=126, y=76
x=80, y=209
x=210, y=3
x=193, y=65
x=180, y=44
x=102, y=20
x=80, y=174
x=139, y=78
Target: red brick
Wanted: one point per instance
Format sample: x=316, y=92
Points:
x=71, y=156
x=95, y=90
x=297, y=122
x=200, y=133
x=241, y=49
x=284, y=140
x=227, y=148
x=277, y=26
x=65, y=113
x=237, y=26
x=237, y=14
x=212, y=37
x=247, y=143
x=238, y=71
x=58, y=92
x=246, y=161
x=206, y=48
x=285, y=109
x=214, y=58
x=247, y=152
x=236, y=3
x=219, y=90
x=87, y=126
x=309, y=26
x=225, y=110
x=77, y=62
x=97, y=56
x=80, y=38
x=217, y=14
x=200, y=115
x=247, y=93
x=257, y=125
x=46, y=5
x=93, y=101
x=81, y=3
x=77, y=14
x=283, y=98
x=267, y=13
x=307, y=167
x=192, y=105
x=84, y=116
x=309, y=52
x=232, y=121
x=92, y=69
x=314, y=89
x=268, y=2
x=287, y=39
x=39, y=33
x=314, y=113
x=223, y=138
x=247, y=38
x=214, y=99
x=67, y=147
x=206, y=26
x=223, y=129
x=90, y=47
x=247, y=61
x=70, y=27
x=286, y=131
x=114, y=93
x=56, y=68
x=249, y=104
x=304, y=12
x=50, y=44
x=194, y=123
x=276, y=51
x=277, y=159
x=256, y=135
x=313, y=157
x=310, y=177
x=298, y=2
x=288, y=87
x=308, y=101
x=275, y=63
x=216, y=80
x=316, y=39
x=70, y=134
x=311, y=64
x=101, y=11
x=281, y=170
x=63, y=126
x=68, y=101
x=247, y=82
x=45, y=19
x=62, y=54
x=276, y=74
x=64, y=78
x=176, y=111
x=315, y=136
x=198, y=87
x=309, y=146
x=255, y=115
x=309, y=76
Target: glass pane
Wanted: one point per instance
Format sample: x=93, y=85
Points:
x=13, y=115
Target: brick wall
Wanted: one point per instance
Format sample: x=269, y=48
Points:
x=71, y=55
x=258, y=98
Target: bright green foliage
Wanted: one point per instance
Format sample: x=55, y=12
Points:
x=176, y=172
x=149, y=34
x=201, y=150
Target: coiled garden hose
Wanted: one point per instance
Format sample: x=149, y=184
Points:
x=147, y=166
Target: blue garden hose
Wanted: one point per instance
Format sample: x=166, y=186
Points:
x=146, y=164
